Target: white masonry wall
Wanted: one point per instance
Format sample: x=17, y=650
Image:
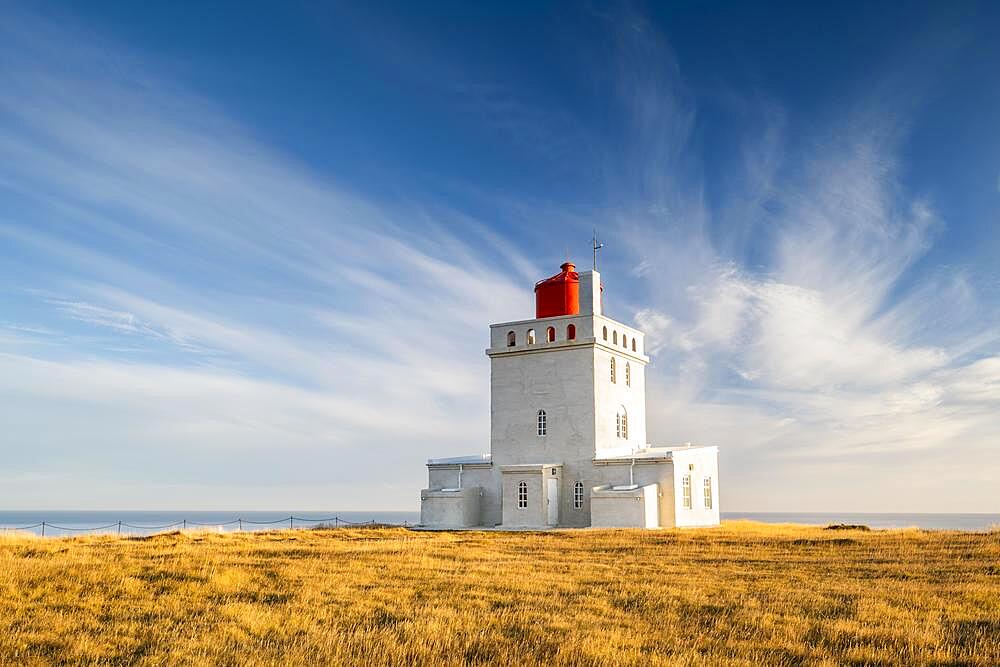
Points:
x=558, y=381
x=618, y=397
x=568, y=379
x=625, y=508
x=700, y=463
x=450, y=509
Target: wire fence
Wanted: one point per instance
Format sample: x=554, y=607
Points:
x=184, y=524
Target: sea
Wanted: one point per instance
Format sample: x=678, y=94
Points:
x=80, y=522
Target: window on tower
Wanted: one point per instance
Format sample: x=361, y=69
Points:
x=618, y=425
x=578, y=495
x=628, y=375
x=531, y=336
x=633, y=344
x=625, y=341
x=543, y=426
x=605, y=333
x=522, y=495
x=511, y=339
x=707, y=485
x=686, y=491
x=571, y=332
x=550, y=334
x=614, y=379
x=614, y=337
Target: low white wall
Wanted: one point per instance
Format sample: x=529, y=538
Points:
x=629, y=508
x=457, y=508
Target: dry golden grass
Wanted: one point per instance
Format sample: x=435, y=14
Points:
x=741, y=594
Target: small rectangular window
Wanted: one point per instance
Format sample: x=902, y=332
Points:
x=686, y=490
x=708, y=493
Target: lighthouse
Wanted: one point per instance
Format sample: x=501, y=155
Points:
x=568, y=441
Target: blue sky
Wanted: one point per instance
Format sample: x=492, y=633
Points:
x=249, y=253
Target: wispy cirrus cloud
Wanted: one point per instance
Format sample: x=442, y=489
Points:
x=829, y=364
x=248, y=307
x=263, y=328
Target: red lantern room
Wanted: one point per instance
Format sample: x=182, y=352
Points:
x=560, y=294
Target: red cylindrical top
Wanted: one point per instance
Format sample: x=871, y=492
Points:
x=560, y=294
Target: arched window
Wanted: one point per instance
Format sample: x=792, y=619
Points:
x=543, y=425
x=633, y=344
x=511, y=339
x=614, y=337
x=578, y=495
x=550, y=334
x=621, y=423
x=618, y=425
x=571, y=332
x=522, y=495
x=614, y=378
x=624, y=425
x=625, y=341
x=531, y=336
x=605, y=333
x=628, y=375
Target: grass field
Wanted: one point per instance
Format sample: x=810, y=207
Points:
x=741, y=594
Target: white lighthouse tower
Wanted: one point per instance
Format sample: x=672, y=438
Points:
x=568, y=429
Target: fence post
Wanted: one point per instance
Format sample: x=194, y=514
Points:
x=336, y=522
x=290, y=519
x=119, y=527
x=185, y=522
x=43, y=529
x=240, y=524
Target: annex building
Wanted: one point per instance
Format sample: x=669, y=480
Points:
x=568, y=430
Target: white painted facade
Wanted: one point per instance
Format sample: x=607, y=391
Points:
x=568, y=426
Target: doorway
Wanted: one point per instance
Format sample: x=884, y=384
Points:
x=552, y=500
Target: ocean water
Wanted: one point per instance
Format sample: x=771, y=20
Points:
x=76, y=522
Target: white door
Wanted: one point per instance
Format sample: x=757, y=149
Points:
x=552, y=500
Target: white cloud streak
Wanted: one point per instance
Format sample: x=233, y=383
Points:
x=268, y=329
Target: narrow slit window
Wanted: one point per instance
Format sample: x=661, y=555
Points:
x=686, y=491
x=543, y=425
x=550, y=334
x=633, y=344
x=522, y=495
x=628, y=375
x=624, y=426
x=614, y=337
x=511, y=339
x=571, y=332
x=578, y=495
x=708, y=493
x=531, y=336
x=625, y=341
x=614, y=378
x=605, y=333
x=618, y=425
